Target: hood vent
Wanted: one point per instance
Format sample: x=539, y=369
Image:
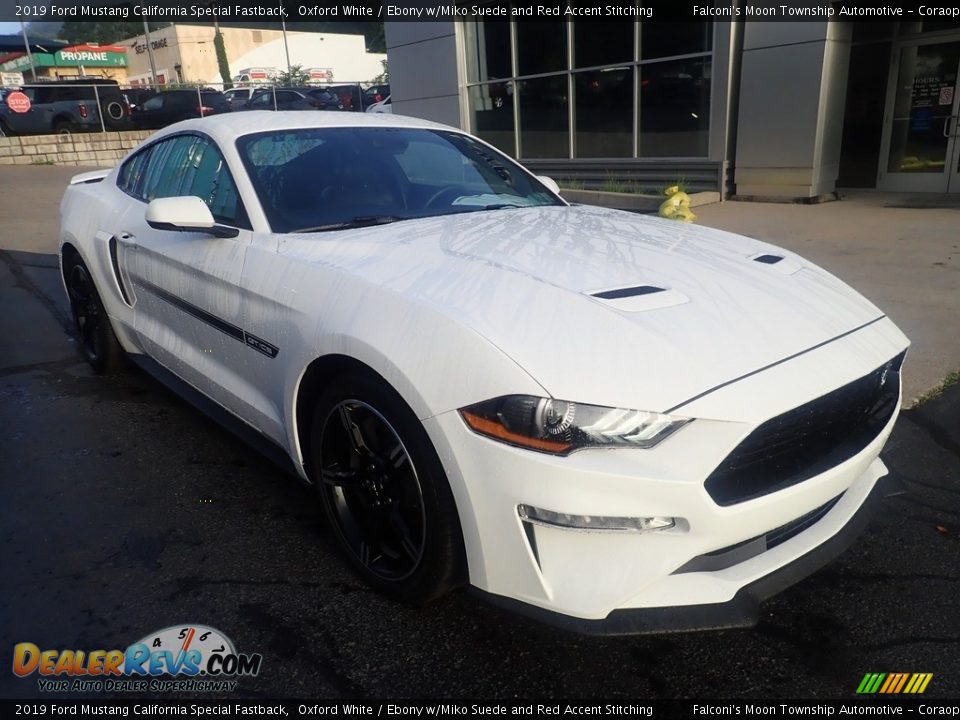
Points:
x=768, y=259
x=778, y=263
x=628, y=292
x=639, y=298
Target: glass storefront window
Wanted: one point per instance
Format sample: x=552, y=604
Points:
x=544, y=126
x=578, y=89
x=491, y=114
x=922, y=108
x=604, y=113
x=488, y=50
x=666, y=39
x=541, y=46
x=602, y=43
x=675, y=108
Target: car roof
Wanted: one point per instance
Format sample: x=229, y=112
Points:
x=227, y=127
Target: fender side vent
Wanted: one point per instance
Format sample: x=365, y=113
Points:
x=116, y=271
x=768, y=259
x=621, y=293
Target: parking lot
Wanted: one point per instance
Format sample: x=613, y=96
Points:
x=126, y=511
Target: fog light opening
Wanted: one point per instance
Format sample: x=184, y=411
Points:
x=593, y=523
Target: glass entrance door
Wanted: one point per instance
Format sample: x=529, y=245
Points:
x=920, y=141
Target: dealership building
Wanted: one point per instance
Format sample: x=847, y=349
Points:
x=752, y=109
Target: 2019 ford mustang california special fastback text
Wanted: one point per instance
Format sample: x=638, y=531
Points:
x=613, y=422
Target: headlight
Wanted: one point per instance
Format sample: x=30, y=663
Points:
x=560, y=427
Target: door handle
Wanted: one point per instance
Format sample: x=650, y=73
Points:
x=946, y=125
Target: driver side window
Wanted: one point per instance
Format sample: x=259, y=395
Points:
x=188, y=165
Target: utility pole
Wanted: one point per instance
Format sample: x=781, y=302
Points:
x=33, y=70
x=286, y=47
x=153, y=63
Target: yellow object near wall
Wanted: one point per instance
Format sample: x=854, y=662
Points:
x=677, y=205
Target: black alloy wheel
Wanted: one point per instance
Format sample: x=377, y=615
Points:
x=384, y=490
x=373, y=489
x=98, y=344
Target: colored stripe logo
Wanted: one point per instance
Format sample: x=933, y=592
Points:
x=894, y=683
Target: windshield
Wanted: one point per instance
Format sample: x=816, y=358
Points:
x=316, y=179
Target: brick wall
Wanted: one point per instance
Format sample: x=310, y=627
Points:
x=90, y=149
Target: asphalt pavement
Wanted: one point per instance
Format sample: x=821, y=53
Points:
x=124, y=511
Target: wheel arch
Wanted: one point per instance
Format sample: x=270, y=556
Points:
x=67, y=251
x=316, y=376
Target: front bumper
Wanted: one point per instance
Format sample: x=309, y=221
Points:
x=650, y=582
x=743, y=610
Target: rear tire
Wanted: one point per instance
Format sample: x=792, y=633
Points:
x=97, y=342
x=63, y=127
x=384, y=490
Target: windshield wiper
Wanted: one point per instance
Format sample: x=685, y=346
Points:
x=357, y=222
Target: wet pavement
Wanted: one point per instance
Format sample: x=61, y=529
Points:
x=124, y=511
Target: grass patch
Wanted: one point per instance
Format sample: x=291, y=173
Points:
x=680, y=183
x=43, y=162
x=617, y=185
x=949, y=381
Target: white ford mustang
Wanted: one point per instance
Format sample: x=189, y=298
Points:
x=612, y=422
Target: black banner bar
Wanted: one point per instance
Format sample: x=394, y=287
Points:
x=869, y=706
x=187, y=11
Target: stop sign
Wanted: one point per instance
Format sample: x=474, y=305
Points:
x=18, y=102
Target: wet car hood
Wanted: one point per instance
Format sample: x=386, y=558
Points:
x=686, y=308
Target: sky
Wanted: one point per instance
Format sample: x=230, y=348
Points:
x=8, y=28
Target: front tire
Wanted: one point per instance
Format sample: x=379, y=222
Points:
x=384, y=490
x=97, y=341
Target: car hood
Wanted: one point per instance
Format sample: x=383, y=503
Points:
x=706, y=311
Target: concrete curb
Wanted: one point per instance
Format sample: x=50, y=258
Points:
x=631, y=201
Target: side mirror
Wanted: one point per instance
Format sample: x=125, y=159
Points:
x=185, y=214
x=550, y=183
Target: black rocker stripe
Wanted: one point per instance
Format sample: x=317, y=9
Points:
x=237, y=333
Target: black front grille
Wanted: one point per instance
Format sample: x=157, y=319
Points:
x=809, y=439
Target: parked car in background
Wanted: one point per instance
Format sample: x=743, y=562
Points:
x=350, y=96
x=325, y=99
x=384, y=106
x=282, y=99
x=172, y=106
x=237, y=97
x=138, y=96
x=68, y=106
x=375, y=94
